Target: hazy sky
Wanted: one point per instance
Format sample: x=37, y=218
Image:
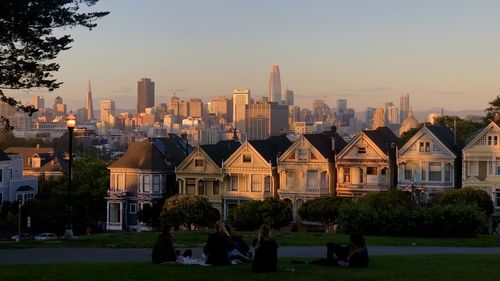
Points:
x=443, y=53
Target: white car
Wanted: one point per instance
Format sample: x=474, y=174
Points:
x=45, y=236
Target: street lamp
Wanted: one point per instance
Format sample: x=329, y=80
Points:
x=71, y=122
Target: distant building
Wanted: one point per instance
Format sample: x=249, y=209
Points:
x=404, y=107
x=90, y=105
x=275, y=84
x=408, y=124
x=378, y=118
x=221, y=106
x=391, y=113
x=107, y=113
x=145, y=94
x=289, y=97
x=195, y=108
x=13, y=185
x=265, y=119
x=240, y=99
x=38, y=102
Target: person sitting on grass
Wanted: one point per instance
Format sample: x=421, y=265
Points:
x=218, y=245
x=239, y=250
x=163, y=249
x=266, y=251
x=353, y=255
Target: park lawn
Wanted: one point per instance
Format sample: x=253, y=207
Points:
x=393, y=268
x=198, y=238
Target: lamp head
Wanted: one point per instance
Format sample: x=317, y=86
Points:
x=71, y=121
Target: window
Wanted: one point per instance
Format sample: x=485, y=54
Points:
x=190, y=186
x=493, y=140
x=156, y=183
x=347, y=174
x=133, y=208
x=247, y=158
x=312, y=178
x=198, y=163
x=267, y=184
x=473, y=168
x=163, y=185
x=371, y=171
x=427, y=146
x=408, y=171
x=447, y=172
x=302, y=154
x=424, y=146
x=215, y=189
x=256, y=183
x=146, y=183
x=434, y=171
x=290, y=179
x=234, y=183
x=201, y=188
x=114, y=212
x=120, y=181
x=322, y=180
x=28, y=197
x=361, y=150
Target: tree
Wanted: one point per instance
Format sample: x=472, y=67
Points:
x=188, y=210
x=492, y=110
x=28, y=45
x=276, y=213
x=465, y=128
x=465, y=196
x=404, y=137
x=324, y=210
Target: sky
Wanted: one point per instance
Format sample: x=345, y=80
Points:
x=443, y=53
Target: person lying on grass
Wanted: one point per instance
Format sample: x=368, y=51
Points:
x=163, y=249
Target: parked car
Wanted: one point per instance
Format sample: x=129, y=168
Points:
x=45, y=236
x=24, y=236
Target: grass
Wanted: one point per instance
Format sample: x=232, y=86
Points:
x=393, y=268
x=197, y=238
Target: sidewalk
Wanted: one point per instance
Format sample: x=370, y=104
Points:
x=108, y=255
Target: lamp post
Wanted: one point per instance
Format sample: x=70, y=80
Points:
x=71, y=122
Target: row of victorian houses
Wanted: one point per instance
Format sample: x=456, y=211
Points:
x=312, y=166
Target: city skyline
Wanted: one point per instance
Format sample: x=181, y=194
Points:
x=368, y=53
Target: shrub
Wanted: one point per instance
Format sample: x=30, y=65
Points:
x=250, y=215
x=357, y=217
x=325, y=210
x=393, y=199
x=188, y=210
x=276, y=213
x=465, y=196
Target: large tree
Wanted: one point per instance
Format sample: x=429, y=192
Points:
x=28, y=45
x=492, y=110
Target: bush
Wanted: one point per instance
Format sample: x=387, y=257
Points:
x=250, y=215
x=465, y=196
x=325, y=210
x=393, y=199
x=357, y=217
x=188, y=210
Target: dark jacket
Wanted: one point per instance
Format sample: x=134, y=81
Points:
x=163, y=250
x=216, y=249
x=358, y=257
x=266, y=256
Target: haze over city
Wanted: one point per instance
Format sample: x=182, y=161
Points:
x=442, y=53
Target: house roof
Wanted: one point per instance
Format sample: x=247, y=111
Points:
x=142, y=155
x=221, y=150
x=28, y=152
x=323, y=143
x=446, y=136
x=174, y=148
x=3, y=156
x=381, y=137
x=272, y=147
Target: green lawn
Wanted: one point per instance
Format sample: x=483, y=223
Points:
x=197, y=238
x=393, y=268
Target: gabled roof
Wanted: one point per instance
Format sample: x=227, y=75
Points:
x=221, y=150
x=478, y=134
x=323, y=143
x=381, y=137
x=3, y=156
x=142, y=155
x=174, y=148
x=446, y=136
x=272, y=147
x=28, y=152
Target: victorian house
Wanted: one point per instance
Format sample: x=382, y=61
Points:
x=251, y=171
x=13, y=185
x=307, y=169
x=145, y=175
x=481, y=162
x=367, y=163
x=201, y=172
x=42, y=162
x=430, y=161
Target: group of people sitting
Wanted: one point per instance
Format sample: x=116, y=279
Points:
x=223, y=248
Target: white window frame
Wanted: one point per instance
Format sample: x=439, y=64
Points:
x=133, y=208
x=146, y=183
x=473, y=168
x=256, y=183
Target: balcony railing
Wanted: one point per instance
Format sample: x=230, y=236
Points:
x=361, y=187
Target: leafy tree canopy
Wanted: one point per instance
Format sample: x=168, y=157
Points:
x=28, y=45
x=492, y=110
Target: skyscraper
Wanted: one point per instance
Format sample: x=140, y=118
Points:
x=341, y=106
x=391, y=113
x=38, y=102
x=195, y=108
x=404, y=107
x=174, y=105
x=222, y=106
x=289, y=100
x=378, y=118
x=264, y=119
x=240, y=99
x=107, y=112
x=90, y=104
x=145, y=94
x=275, y=84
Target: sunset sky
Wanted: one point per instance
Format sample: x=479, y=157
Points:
x=442, y=53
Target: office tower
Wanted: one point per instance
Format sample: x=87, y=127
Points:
x=378, y=118
x=59, y=106
x=81, y=115
x=404, y=107
x=240, y=99
x=222, y=106
x=341, y=106
x=38, y=102
x=145, y=94
x=174, y=105
x=391, y=113
x=369, y=113
x=264, y=119
x=293, y=114
x=275, y=84
x=184, y=109
x=90, y=104
x=289, y=99
x=195, y=108
x=107, y=111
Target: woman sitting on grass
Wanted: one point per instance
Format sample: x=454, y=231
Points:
x=266, y=251
x=353, y=255
x=163, y=250
x=218, y=245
